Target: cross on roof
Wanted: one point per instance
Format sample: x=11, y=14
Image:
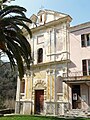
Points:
x=42, y=7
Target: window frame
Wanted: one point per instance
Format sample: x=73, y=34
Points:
x=86, y=67
x=85, y=40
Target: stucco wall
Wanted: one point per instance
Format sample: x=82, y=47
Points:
x=78, y=53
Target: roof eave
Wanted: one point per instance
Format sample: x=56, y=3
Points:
x=54, y=22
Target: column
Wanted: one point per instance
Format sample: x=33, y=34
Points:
x=17, y=104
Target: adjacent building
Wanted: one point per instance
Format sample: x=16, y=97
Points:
x=59, y=77
x=78, y=79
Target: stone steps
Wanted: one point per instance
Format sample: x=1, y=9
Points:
x=75, y=113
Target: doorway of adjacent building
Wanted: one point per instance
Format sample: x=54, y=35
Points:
x=76, y=102
x=39, y=101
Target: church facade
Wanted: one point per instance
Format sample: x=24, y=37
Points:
x=52, y=86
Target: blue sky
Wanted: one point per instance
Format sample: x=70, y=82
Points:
x=79, y=10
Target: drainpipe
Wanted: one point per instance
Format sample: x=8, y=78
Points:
x=50, y=45
x=55, y=93
x=50, y=73
x=32, y=75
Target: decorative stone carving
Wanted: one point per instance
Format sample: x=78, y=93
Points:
x=39, y=84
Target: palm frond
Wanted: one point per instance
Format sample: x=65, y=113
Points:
x=25, y=27
x=4, y=1
x=11, y=58
x=17, y=20
x=12, y=9
x=5, y=23
x=15, y=43
x=17, y=55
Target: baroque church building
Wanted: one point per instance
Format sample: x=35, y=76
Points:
x=51, y=87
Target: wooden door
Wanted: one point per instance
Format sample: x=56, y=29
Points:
x=39, y=101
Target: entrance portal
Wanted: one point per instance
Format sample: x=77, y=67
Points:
x=76, y=102
x=39, y=101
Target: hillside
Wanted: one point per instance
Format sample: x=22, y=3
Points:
x=8, y=79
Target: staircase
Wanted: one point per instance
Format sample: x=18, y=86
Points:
x=75, y=113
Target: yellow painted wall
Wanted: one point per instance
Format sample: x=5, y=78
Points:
x=53, y=87
x=28, y=88
x=40, y=75
x=48, y=87
x=50, y=81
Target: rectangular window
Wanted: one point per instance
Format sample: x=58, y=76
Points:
x=40, y=39
x=86, y=67
x=59, y=84
x=22, y=87
x=85, y=40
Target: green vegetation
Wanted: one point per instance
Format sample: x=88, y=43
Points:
x=8, y=80
x=27, y=117
x=12, y=40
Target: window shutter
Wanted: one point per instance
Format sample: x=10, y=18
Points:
x=84, y=67
x=83, y=40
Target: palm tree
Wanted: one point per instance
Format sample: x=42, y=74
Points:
x=12, y=40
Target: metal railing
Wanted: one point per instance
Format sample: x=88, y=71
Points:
x=73, y=74
x=79, y=75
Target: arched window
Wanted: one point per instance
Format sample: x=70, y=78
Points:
x=40, y=55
